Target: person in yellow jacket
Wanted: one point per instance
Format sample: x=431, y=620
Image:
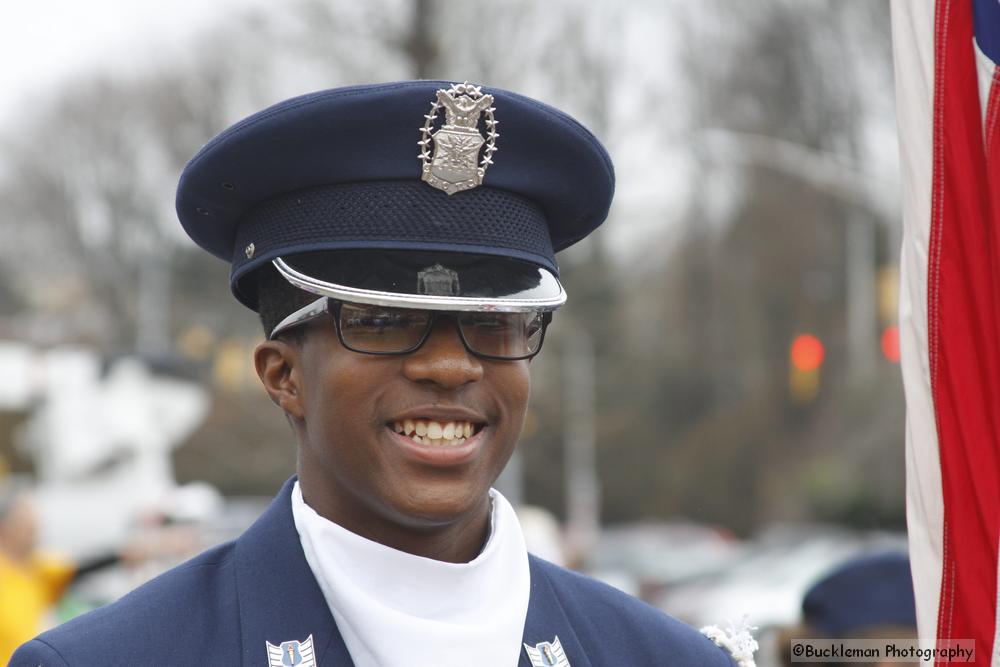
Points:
x=30, y=582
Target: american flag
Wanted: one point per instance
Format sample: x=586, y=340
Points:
x=948, y=107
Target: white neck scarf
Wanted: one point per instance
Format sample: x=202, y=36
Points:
x=395, y=609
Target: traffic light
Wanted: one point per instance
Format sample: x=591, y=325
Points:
x=890, y=343
x=806, y=357
x=888, y=307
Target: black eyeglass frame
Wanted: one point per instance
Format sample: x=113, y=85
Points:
x=331, y=306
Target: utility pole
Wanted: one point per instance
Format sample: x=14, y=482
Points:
x=152, y=325
x=840, y=177
x=420, y=43
x=579, y=449
x=862, y=310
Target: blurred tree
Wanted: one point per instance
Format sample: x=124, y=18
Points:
x=771, y=265
x=690, y=329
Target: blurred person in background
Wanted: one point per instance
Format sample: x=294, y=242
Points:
x=32, y=581
x=868, y=597
x=401, y=258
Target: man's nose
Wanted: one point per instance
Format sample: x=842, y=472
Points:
x=443, y=358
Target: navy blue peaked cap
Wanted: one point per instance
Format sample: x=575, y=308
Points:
x=340, y=170
x=867, y=592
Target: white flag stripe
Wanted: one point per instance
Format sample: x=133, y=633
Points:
x=984, y=76
x=913, y=50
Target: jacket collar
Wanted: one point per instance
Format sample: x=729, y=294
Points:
x=279, y=598
x=547, y=619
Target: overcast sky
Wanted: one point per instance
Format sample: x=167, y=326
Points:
x=45, y=42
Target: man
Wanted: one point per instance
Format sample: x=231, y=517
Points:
x=400, y=253
x=869, y=597
x=32, y=581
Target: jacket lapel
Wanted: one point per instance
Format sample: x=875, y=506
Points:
x=547, y=620
x=279, y=598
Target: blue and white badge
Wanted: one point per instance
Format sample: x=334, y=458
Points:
x=291, y=654
x=547, y=654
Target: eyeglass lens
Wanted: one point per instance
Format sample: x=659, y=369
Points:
x=388, y=330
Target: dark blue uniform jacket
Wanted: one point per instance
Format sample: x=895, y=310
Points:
x=221, y=607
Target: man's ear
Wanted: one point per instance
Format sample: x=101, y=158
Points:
x=279, y=369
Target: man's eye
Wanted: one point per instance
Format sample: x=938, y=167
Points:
x=494, y=325
x=485, y=322
x=380, y=321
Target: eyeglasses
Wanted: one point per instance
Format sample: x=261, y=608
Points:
x=388, y=330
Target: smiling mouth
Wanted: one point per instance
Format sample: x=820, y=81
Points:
x=435, y=433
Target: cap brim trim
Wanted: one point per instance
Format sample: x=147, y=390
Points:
x=425, y=301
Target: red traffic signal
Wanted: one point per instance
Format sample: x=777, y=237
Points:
x=807, y=353
x=890, y=343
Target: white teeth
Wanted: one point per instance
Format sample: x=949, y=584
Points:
x=434, y=433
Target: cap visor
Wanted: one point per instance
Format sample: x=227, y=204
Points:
x=425, y=279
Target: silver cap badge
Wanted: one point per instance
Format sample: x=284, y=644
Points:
x=438, y=281
x=455, y=164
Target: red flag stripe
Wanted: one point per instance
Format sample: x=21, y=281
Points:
x=964, y=337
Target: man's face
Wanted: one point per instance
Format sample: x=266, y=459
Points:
x=353, y=462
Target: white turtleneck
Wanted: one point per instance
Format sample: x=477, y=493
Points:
x=395, y=609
